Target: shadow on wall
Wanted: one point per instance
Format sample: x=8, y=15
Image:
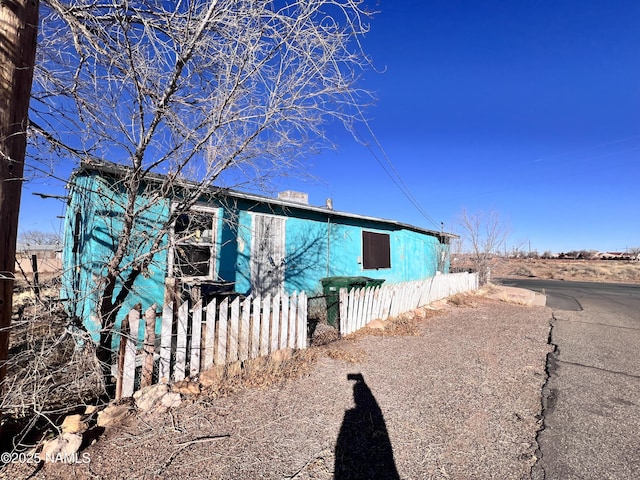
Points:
x=363, y=449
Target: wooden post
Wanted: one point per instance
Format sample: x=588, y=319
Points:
x=124, y=327
x=18, y=31
x=149, y=346
x=34, y=269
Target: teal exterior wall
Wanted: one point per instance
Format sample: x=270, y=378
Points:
x=92, y=223
x=318, y=244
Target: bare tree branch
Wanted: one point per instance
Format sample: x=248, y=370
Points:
x=197, y=90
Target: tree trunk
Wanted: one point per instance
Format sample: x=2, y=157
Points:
x=18, y=34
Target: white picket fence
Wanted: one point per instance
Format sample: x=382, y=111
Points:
x=360, y=306
x=195, y=339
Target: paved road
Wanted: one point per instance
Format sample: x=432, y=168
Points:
x=592, y=398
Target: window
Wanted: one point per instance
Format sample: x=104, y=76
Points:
x=376, y=251
x=194, y=244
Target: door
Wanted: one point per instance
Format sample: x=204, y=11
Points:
x=267, y=254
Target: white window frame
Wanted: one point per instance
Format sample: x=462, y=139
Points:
x=213, y=245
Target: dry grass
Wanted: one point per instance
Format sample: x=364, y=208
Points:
x=262, y=372
x=48, y=376
x=461, y=300
x=578, y=270
x=346, y=354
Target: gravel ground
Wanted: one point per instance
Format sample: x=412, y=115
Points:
x=460, y=400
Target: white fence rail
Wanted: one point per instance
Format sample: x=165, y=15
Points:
x=360, y=306
x=194, y=339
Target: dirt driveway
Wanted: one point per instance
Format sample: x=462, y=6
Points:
x=460, y=400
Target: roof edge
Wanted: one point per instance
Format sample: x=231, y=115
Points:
x=120, y=170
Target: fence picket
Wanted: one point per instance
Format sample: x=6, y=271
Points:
x=359, y=308
x=210, y=334
x=165, y=343
x=367, y=306
x=129, y=364
x=343, y=306
x=293, y=303
x=275, y=323
x=302, y=321
x=265, y=319
x=234, y=331
x=221, y=347
x=255, y=329
x=351, y=312
x=181, y=342
x=196, y=339
x=284, y=326
x=245, y=333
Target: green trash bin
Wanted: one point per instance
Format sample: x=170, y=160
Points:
x=374, y=282
x=331, y=288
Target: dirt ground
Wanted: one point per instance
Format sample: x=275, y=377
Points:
x=458, y=399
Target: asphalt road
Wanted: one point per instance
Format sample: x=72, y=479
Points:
x=591, y=402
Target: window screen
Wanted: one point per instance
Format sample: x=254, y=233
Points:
x=376, y=251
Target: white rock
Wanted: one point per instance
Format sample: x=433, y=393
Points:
x=112, y=413
x=74, y=424
x=171, y=400
x=61, y=448
x=147, y=397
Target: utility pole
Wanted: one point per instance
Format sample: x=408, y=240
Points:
x=18, y=35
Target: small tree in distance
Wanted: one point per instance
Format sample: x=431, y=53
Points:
x=483, y=235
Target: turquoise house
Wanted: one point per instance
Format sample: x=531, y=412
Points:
x=247, y=243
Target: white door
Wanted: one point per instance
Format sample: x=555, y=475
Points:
x=267, y=254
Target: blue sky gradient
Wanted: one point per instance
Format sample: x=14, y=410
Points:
x=529, y=108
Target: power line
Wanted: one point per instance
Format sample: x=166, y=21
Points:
x=391, y=171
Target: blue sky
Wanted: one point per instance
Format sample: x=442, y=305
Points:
x=529, y=108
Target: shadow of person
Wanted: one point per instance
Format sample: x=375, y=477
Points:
x=363, y=448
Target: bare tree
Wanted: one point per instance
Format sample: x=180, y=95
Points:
x=483, y=235
x=37, y=237
x=208, y=91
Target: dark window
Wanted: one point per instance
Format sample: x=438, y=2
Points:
x=193, y=253
x=376, y=251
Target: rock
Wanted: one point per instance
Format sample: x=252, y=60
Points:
x=186, y=387
x=171, y=400
x=282, y=355
x=61, y=448
x=113, y=413
x=419, y=313
x=90, y=409
x=74, y=424
x=212, y=376
x=147, y=397
x=376, y=324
